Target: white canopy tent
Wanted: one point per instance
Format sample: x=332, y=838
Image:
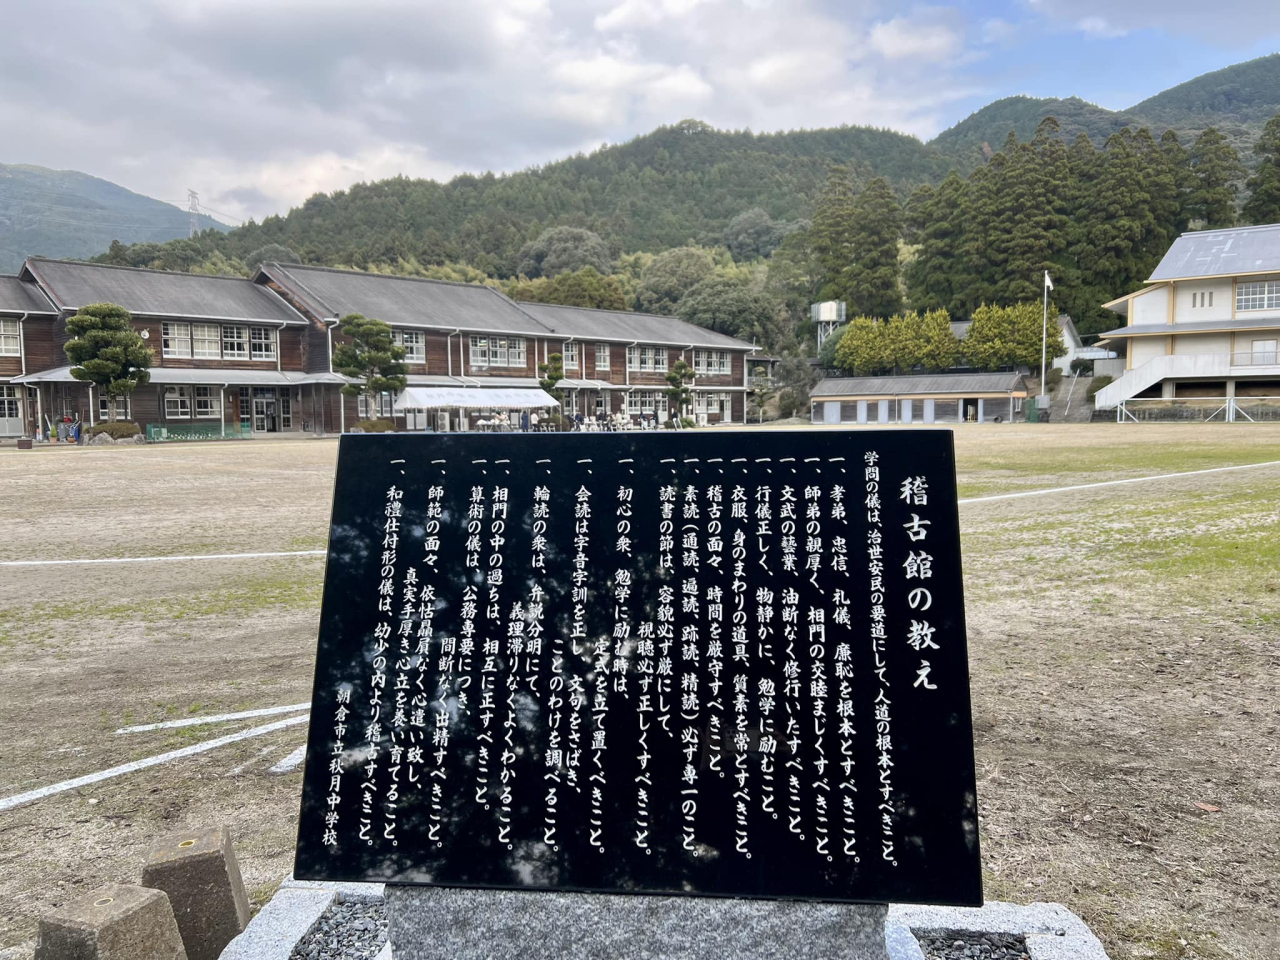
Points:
x=435, y=398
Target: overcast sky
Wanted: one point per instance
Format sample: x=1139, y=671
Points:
x=257, y=104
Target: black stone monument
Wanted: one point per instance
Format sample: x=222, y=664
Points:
x=699, y=663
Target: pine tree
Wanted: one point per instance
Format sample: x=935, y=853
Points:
x=937, y=224
x=1216, y=167
x=107, y=352
x=873, y=286
x=1263, y=205
x=832, y=235
x=1180, y=165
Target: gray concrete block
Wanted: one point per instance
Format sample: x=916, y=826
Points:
x=361, y=892
x=901, y=942
x=1042, y=947
x=115, y=922
x=198, y=870
x=1053, y=932
x=427, y=923
x=272, y=934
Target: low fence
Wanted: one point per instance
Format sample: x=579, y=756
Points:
x=1199, y=410
x=166, y=432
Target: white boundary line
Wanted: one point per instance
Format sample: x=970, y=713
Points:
x=17, y=800
x=189, y=556
x=291, y=762
x=196, y=721
x=1113, y=483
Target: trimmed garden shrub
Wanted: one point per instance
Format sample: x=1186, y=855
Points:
x=120, y=430
x=1096, y=384
x=376, y=426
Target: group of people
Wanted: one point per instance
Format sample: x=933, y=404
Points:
x=530, y=420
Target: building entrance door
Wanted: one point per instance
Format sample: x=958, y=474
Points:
x=11, y=424
x=264, y=415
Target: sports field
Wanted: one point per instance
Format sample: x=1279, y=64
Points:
x=1124, y=638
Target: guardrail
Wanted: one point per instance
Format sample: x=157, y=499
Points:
x=1256, y=358
x=168, y=432
x=1199, y=410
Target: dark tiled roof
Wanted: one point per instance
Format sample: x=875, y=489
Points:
x=17, y=296
x=586, y=324
x=403, y=301
x=158, y=293
x=1222, y=253
x=937, y=384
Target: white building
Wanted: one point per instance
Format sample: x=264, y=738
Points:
x=1207, y=323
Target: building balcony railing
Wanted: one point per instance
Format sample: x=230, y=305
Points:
x=1256, y=358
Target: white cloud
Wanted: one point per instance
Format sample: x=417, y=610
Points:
x=924, y=35
x=209, y=93
x=998, y=31
x=1231, y=24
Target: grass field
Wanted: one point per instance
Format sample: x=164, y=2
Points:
x=1125, y=646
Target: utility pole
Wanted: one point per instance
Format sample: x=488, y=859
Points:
x=193, y=207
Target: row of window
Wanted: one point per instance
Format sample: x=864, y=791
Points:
x=178, y=403
x=10, y=341
x=217, y=341
x=1258, y=295
x=381, y=406
x=497, y=352
x=414, y=343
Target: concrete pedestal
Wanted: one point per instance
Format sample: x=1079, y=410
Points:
x=427, y=923
x=198, y=871
x=115, y=922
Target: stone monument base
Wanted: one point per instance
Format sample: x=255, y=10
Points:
x=442, y=923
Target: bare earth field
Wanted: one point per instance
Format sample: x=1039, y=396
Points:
x=1125, y=647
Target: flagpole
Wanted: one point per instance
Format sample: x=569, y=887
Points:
x=1044, y=337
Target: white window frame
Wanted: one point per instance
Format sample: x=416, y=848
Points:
x=602, y=356
x=262, y=344
x=383, y=406
x=497, y=351
x=286, y=409
x=235, y=342
x=570, y=355
x=1258, y=295
x=414, y=343
x=104, y=410
x=647, y=359
x=177, y=403
x=716, y=363
x=175, y=339
x=208, y=403
x=10, y=338
x=9, y=407
x=640, y=402
x=206, y=341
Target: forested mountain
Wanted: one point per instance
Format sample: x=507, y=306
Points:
x=676, y=185
x=64, y=213
x=1236, y=100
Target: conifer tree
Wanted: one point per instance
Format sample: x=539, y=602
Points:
x=1263, y=205
x=940, y=348
x=937, y=224
x=1180, y=166
x=1216, y=168
x=864, y=349
x=904, y=336
x=832, y=235
x=873, y=286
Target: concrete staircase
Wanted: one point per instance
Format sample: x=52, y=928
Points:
x=1068, y=403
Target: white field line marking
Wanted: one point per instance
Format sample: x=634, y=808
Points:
x=17, y=800
x=236, y=771
x=291, y=762
x=196, y=721
x=1113, y=483
x=191, y=556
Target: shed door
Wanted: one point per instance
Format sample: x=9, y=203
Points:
x=831, y=411
x=10, y=415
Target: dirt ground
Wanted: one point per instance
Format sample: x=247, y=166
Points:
x=1125, y=646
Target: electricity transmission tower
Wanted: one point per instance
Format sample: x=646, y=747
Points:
x=193, y=207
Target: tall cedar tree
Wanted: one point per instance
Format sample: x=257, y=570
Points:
x=935, y=221
x=1263, y=205
x=1216, y=167
x=369, y=356
x=107, y=352
x=1179, y=164
x=832, y=235
x=873, y=274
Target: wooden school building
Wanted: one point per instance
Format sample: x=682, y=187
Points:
x=253, y=357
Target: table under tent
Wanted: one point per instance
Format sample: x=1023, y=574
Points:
x=447, y=409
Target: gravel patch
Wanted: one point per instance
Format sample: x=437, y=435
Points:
x=348, y=930
x=953, y=945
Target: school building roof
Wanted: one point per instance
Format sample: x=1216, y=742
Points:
x=158, y=293
x=586, y=323
x=17, y=296
x=922, y=385
x=1221, y=253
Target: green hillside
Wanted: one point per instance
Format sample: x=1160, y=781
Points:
x=1237, y=100
x=64, y=213
x=678, y=184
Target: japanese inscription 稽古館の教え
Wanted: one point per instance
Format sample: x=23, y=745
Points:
x=703, y=663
